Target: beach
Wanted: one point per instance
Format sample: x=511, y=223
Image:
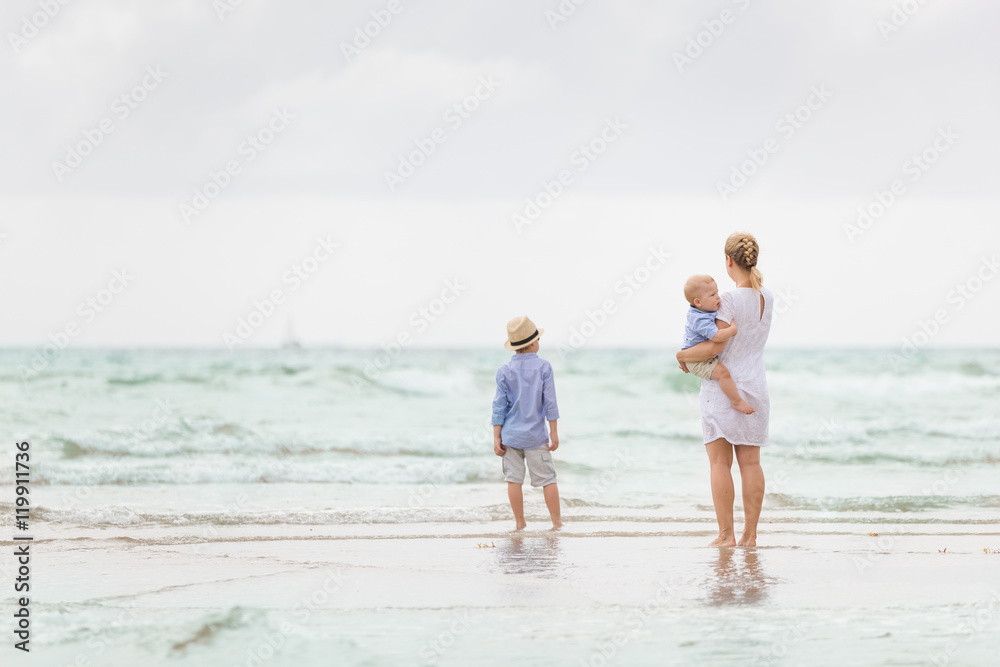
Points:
x=594, y=594
x=209, y=508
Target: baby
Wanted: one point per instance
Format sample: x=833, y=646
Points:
x=703, y=295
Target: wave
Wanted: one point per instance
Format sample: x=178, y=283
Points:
x=136, y=381
x=100, y=445
x=340, y=372
x=879, y=503
x=673, y=433
x=228, y=443
x=896, y=432
x=850, y=454
x=131, y=471
x=122, y=516
x=579, y=502
x=879, y=510
x=975, y=369
x=780, y=509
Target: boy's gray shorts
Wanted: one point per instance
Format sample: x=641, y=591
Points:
x=539, y=462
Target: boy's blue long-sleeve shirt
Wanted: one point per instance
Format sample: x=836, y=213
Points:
x=525, y=399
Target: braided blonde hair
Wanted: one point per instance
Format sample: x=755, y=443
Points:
x=744, y=249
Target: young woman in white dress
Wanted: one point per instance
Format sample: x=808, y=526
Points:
x=726, y=430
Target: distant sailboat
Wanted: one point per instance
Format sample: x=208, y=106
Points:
x=290, y=342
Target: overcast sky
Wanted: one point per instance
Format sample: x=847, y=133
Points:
x=118, y=114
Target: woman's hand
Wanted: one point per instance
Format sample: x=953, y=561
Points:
x=683, y=366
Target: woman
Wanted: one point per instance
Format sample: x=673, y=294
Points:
x=726, y=430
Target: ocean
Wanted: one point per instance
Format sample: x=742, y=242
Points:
x=344, y=507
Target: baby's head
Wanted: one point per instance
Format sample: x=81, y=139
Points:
x=702, y=293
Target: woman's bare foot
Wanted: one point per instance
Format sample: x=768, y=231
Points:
x=725, y=539
x=520, y=527
x=557, y=526
x=747, y=541
x=743, y=407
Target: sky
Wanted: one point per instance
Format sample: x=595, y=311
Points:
x=214, y=173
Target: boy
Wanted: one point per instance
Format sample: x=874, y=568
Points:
x=703, y=295
x=525, y=399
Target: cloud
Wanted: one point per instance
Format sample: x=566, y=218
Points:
x=686, y=130
x=558, y=86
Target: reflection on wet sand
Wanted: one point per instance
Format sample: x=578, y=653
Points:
x=738, y=578
x=528, y=555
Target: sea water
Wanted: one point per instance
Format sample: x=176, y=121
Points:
x=189, y=504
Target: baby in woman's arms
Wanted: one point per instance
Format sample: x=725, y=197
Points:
x=703, y=295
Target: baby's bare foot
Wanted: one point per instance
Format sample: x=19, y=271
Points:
x=743, y=407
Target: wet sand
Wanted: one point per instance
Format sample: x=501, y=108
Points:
x=594, y=594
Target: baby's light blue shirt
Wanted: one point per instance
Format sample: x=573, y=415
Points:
x=700, y=327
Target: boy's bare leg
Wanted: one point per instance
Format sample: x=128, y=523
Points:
x=720, y=456
x=721, y=373
x=517, y=504
x=752, y=476
x=551, y=492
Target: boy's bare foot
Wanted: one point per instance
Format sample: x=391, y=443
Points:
x=520, y=526
x=743, y=407
x=747, y=541
x=725, y=539
x=557, y=526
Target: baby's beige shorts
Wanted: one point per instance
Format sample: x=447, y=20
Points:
x=703, y=369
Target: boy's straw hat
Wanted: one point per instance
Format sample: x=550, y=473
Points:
x=521, y=332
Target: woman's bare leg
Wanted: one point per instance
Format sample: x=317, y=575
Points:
x=720, y=456
x=752, y=476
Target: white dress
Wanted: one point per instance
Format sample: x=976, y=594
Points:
x=744, y=357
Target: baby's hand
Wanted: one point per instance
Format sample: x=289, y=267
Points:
x=498, y=448
x=725, y=334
